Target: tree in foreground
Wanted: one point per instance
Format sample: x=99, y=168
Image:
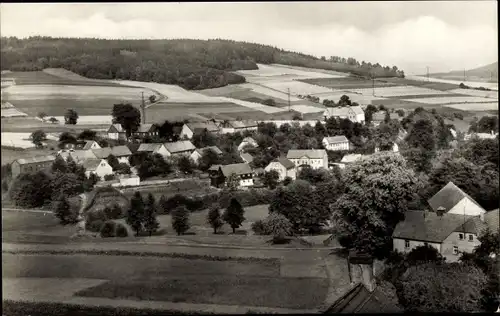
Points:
x=135, y=214
x=214, y=218
x=31, y=189
x=279, y=226
x=234, y=214
x=271, y=179
x=180, y=219
x=424, y=254
x=151, y=224
x=71, y=117
x=37, y=137
x=451, y=287
x=63, y=212
x=376, y=195
x=128, y=116
x=59, y=165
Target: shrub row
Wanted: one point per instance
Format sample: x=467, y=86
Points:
x=14, y=308
x=144, y=254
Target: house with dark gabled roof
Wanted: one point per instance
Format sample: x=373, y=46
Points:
x=449, y=233
x=182, y=147
x=122, y=153
x=246, y=157
x=154, y=148
x=284, y=166
x=99, y=167
x=455, y=201
x=189, y=129
x=220, y=174
x=117, y=132
x=197, y=153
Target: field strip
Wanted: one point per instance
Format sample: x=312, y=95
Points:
x=268, y=91
x=485, y=106
x=277, y=70
x=62, y=288
x=474, y=84
x=306, y=108
x=253, y=105
x=477, y=93
x=449, y=100
x=296, y=87
x=12, y=112
x=19, y=140
x=336, y=74
x=397, y=91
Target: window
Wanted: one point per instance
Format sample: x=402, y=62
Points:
x=461, y=236
x=425, y=244
x=455, y=250
x=471, y=237
x=407, y=244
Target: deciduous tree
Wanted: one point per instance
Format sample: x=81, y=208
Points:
x=63, y=212
x=128, y=116
x=151, y=224
x=234, y=214
x=180, y=219
x=71, y=117
x=271, y=179
x=214, y=218
x=279, y=226
x=37, y=137
x=135, y=214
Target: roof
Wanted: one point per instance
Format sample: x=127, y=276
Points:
x=246, y=157
x=180, y=146
x=118, y=128
x=349, y=158
x=117, y=151
x=214, y=167
x=210, y=126
x=237, y=168
x=149, y=147
x=380, y=116
x=37, y=159
x=473, y=226
x=88, y=144
x=242, y=124
x=448, y=197
x=133, y=147
x=91, y=164
x=311, y=153
x=336, y=139
x=144, y=128
x=248, y=140
x=213, y=148
x=492, y=220
x=360, y=300
x=343, y=111
x=431, y=227
x=285, y=162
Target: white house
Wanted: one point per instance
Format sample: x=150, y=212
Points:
x=315, y=158
x=336, y=143
x=353, y=113
x=449, y=233
x=182, y=147
x=490, y=135
x=188, y=129
x=116, y=131
x=100, y=167
x=451, y=199
x=78, y=156
x=122, y=153
x=247, y=141
x=197, y=153
x=284, y=166
x=154, y=148
x=219, y=175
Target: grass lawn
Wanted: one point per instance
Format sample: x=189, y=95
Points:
x=9, y=155
x=29, y=124
x=423, y=84
x=41, y=77
x=348, y=83
x=300, y=293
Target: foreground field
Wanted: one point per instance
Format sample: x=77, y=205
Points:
x=53, y=77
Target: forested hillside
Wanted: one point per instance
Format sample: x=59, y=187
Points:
x=192, y=64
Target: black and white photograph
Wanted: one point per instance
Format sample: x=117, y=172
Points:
x=286, y=157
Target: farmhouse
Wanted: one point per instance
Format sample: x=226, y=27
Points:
x=284, y=166
x=219, y=175
x=189, y=129
x=183, y=147
x=32, y=164
x=379, y=117
x=449, y=233
x=247, y=141
x=83, y=145
x=78, y=156
x=122, y=153
x=99, y=167
x=354, y=114
x=116, y=131
x=238, y=126
x=336, y=143
x=315, y=158
x=154, y=148
x=197, y=153
x=451, y=199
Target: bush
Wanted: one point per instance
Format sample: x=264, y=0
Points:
x=108, y=229
x=121, y=230
x=5, y=185
x=458, y=115
x=109, y=177
x=95, y=226
x=259, y=227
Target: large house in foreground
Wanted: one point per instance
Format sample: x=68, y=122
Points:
x=31, y=164
x=314, y=158
x=220, y=174
x=99, y=167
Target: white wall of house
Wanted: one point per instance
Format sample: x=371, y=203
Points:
x=186, y=132
x=117, y=136
x=464, y=242
x=246, y=182
x=195, y=156
x=336, y=146
x=123, y=159
x=467, y=207
x=360, y=118
x=313, y=163
x=162, y=151
x=130, y=181
x=103, y=169
x=283, y=172
x=95, y=145
x=407, y=245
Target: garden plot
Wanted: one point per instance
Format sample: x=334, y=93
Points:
x=269, y=92
x=354, y=97
x=89, y=119
x=18, y=140
x=172, y=93
x=252, y=105
x=307, y=109
x=296, y=87
x=449, y=100
x=398, y=91
x=485, y=106
x=477, y=93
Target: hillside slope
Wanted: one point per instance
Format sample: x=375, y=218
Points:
x=191, y=64
x=486, y=73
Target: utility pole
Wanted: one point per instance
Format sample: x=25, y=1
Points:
x=288, y=99
x=143, y=109
x=373, y=84
x=427, y=73
x=464, y=76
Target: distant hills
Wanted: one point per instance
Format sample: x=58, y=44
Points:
x=191, y=64
x=488, y=73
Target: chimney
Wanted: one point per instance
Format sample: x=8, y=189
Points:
x=481, y=216
x=361, y=270
x=440, y=211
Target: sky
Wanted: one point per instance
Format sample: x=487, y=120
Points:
x=413, y=35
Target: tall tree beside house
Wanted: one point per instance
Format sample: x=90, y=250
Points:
x=185, y=164
x=207, y=159
x=214, y=218
x=59, y=165
x=135, y=214
x=113, y=162
x=90, y=182
x=68, y=184
x=422, y=146
x=87, y=134
x=71, y=117
x=232, y=182
x=62, y=210
x=180, y=219
x=271, y=179
x=66, y=138
x=128, y=116
x=151, y=224
x=376, y=195
x=37, y=137
x=234, y=214
x=434, y=287
x=203, y=139
x=369, y=111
